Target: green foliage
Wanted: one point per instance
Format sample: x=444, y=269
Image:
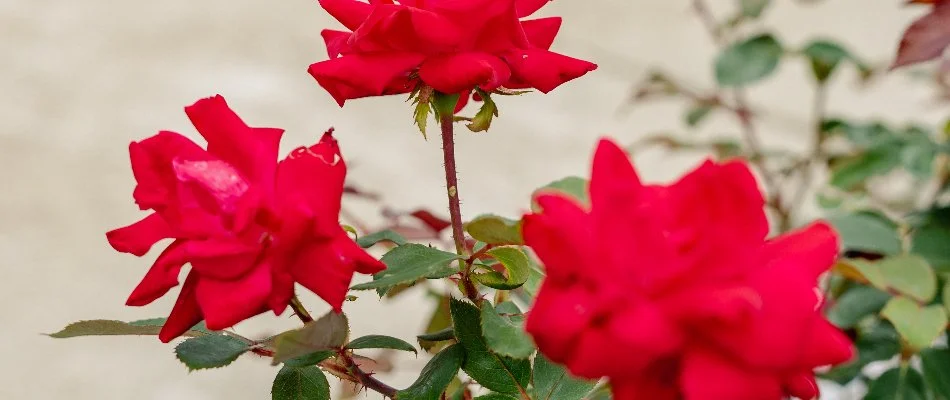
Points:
x=387, y=235
x=748, y=61
x=408, y=263
x=493, y=371
x=300, y=383
x=210, y=351
x=826, y=55
x=905, y=274
x=877, y=342
x=504, y=336
x=753, y=8
x=551, y=381
x=516, y=264
x=483, y=118
x=435, y=376
x=380, y=342
x=856, y=304
x=102, y=327
x=310, y=359
x=863, y=232
x=936, y=368
x=919, y=326
x=902, y=383
x=697, y=114
x=326, y=333
x=495, y=230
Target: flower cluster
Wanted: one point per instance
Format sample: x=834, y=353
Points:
x=450, y=46
x=249, y=226
x=674, y=292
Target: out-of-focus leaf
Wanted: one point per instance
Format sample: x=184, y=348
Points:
x=901, y=383
x=926, y=38
x=851, y=172
x=435, y=376
x=748, y=61
x=697, y=114
x=932, y=241
x=909, y=275
x=410, y=262
x=753, y=8
x=919, y=326
x=553, y=382
x=879, y=343
x=326, y=333
x=936, y=367
x=867, y=233
x=856, y=304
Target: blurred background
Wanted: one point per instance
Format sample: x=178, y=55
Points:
x=80, y=80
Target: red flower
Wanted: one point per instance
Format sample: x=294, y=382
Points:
x=452, y=46
x=248, y=226
x=674, y=292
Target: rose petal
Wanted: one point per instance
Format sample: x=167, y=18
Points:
x=709, y=376
x=224, y=303
x=561, y=235
x=361, y=75
x=185, y=314
x=813, y=248
x=139, y=237
x=802, y=386
x=406, y=29
x=310, y=185
x=336, y=41
x=460, y=72
x=528, y=7
x=350, y=13
x=152, y=166
x=324, y=270
x=542, y=31
x=162, y=276
x=545, y=70
x=559, y=315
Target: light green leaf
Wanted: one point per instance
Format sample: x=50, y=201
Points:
x=504, y=336
x=697, y=114
x=849, y=173
x=326, y=333
x=825, y=56
x=496, y=230
x=553, y=382
x=210, y=351
x=421, y=115
x=936, y=367
x=495, y=396
x=493, y=371
x=748, y=61
x=380, y=342
x=919, y=326
x=753, y=8
x=572, y=186
x=300, y=383
x=102, y=327
x=866, y=233
x=310, y=359
x=901, y=383
x=410, y=262
x=515, y=262
x=909, y=275
x=483, y=118
x=387, y=235
x=435, y=376
x=946, y=295
x=856, y=304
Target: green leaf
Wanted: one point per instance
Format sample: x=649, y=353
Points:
x=421, y=115
x=495, y=372
x=210, y=351
x=856, y=304
x=380, y=342
x=932, y=241
x=387, y=235
x=496, y=230
x=909, y=275
x=483, y=118
x=849, y=173
x=310, y=359
x=435, y=376
x=102, y=327
x=515, y=262
x=440, y=320
x=553, y=382
x=901, y=383
x=878, y=343
x=199, y=327
x=936, y=367
x=300, y=383
x=825, y=56
x=748, y=61
x=504, y=336
x=535, y=277
x=410, y=262
x=697, y=114
x=327, y=333
x=919, y=326
x=946, y=295
x=445, y=334
x=495, y=396
x=572, y=186
x=862, y=232
x=753, y=8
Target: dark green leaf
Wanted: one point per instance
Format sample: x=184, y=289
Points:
x=856, y=304
x=495, y=372
x=440, y=320
x=381, y=236
x=936, y=366
x=879, y=343
x=210, y=351
x=572, y=186
x=445, y=334
x=300, y=383
x=410, y=262
x=310, y=359
x=380, y=342
x=515, y=262
x=102, y=327
x=748, y=61
x=496, y=230
x=919, y=326
x=435, y=376
x=483, y=118
x=753, y=8
x=902, y=383
x=697, y=114
x=932, y=241
x=825, y=56
x=861, y=232
x=553, y=382
x=327, y=333
x=495, y=396
x=854, y=171
x=504, y=336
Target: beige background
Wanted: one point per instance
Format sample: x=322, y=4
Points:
x=80, y=79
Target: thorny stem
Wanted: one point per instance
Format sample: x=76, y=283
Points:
x=356, y=374
x=455, y=209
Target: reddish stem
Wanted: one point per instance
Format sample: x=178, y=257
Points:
x=455, y=209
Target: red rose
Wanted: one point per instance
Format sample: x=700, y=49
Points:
x=452, y=46
x=248, y=226
x=673, y=291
